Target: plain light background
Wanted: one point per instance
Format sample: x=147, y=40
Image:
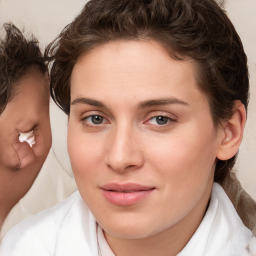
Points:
x=45, y=19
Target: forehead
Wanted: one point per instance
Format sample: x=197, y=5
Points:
x=130, y=51
x=143, y=66
x=33, y=81
x=30, y=98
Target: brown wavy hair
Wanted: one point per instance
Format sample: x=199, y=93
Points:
x=188, y=29
x=17, y=56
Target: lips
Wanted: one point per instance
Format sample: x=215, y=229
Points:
x=126, y=194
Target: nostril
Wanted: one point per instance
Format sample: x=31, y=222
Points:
x=123, y=167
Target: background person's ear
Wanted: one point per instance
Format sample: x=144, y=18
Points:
x=233, y=132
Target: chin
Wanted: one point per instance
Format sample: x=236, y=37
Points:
x=125, y=229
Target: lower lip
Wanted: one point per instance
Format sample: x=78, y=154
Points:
x=126, y=199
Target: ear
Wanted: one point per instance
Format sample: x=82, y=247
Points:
x=233, y=130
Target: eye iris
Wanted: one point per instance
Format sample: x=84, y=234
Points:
x=97, y=119
x=161, y=120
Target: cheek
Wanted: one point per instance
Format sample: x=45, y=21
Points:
x=185, y=165
x=183, y=155
x=84, y=153
x=86, y=161
x=8, y=155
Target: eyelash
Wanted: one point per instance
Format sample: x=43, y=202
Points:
x=91, y=124
x=169, y=121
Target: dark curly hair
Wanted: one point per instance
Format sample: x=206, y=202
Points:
x=17, y=56
x=188, y=29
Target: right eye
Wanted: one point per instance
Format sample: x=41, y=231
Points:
x=94, y=120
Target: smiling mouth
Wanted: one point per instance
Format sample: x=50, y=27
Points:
x=128, y=191
x=126, y=188
x=126, y=194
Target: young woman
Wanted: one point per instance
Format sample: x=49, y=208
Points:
x=156, y=93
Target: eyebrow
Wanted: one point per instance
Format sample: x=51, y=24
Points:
x=88, y=101
x=144, y=104
x=161, y=102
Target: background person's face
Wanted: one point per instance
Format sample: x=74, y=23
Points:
x=141, y=139
x=28, y=110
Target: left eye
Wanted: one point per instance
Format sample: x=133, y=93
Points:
x=94, y=119
x=160, y=120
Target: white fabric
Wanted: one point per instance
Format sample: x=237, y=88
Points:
x=52, y=185
x=104, y=249
x=27, y=137
x=252, y=247
x=221, y=232
x=70, y=229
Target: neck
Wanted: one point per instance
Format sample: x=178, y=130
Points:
x=167, y=243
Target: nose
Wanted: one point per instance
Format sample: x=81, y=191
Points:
x=124, y=151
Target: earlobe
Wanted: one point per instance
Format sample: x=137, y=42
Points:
x=233, y=132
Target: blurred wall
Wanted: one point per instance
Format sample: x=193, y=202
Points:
x=46, y=19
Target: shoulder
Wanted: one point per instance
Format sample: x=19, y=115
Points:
x=45, y=233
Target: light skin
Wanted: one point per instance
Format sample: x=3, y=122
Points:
x=20, y=164
x=138, y=117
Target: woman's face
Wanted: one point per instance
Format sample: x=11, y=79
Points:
x=141, y=139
